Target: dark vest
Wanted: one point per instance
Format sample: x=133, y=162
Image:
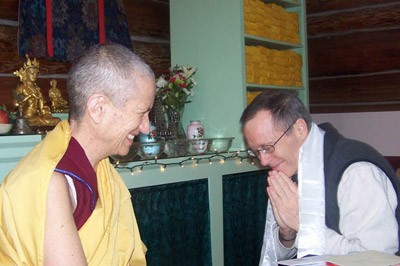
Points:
x=340, y=153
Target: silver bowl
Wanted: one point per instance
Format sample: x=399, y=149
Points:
x=176, y=148
x=199, y=146
x=221, y=144
x=151, y=150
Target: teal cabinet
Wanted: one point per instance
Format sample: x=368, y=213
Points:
x=210, y=35
x=13, y=148
x=176, y=220
x=152, y=176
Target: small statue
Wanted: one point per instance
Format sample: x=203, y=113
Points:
x=58, y=104
x=29, y=99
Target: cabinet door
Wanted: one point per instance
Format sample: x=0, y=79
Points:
x=174, y=222
x=245, y=205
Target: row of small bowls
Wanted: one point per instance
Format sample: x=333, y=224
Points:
x=174, y=148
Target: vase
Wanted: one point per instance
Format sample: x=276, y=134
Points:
x=195, y=130
x=175, y=127
x=168, y=120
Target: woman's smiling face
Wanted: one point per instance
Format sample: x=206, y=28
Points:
x=132, y=118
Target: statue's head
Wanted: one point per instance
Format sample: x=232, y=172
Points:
x=53, y=83
x=29, y=71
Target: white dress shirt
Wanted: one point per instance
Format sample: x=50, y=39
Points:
x=367, y=203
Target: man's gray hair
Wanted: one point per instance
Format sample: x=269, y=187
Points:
x=284, y=105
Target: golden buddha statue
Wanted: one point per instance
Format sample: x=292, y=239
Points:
x=29, y=99
x=58, y=104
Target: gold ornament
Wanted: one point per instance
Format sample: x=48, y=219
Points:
x=29, y=99
x=58, y=104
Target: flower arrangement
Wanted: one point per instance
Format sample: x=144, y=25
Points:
x=175, y=87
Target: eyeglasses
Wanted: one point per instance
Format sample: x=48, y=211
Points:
x=266, y=149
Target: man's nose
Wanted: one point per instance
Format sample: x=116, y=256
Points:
x=265, y=158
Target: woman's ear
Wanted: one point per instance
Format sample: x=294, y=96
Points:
x=96, y=106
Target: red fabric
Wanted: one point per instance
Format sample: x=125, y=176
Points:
x=76, y=162
x=49, y=28
x=102, y=32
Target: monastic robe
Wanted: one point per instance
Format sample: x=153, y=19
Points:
x=109, y=237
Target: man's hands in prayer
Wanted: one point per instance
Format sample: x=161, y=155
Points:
x=282, y=192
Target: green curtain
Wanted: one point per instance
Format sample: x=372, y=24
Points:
x=174, y=222
x=245, y=204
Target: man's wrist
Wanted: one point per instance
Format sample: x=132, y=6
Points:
x=287, y=238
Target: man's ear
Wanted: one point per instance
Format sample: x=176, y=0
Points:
x=96, y=106
x=300, y=128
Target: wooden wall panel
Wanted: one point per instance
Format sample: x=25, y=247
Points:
x=380, y=17
x=147, y=18
x=9, y=9
x=357, y=53
x=339, y=93
x=9, y=60
x=156, y=55
x=353, y=55
x=6, y=88
x=317, y=6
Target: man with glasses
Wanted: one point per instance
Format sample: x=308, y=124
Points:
x=327, y=194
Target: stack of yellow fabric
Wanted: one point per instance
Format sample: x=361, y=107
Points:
x=271, y=21
x=273, y=67
x=251, y=95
